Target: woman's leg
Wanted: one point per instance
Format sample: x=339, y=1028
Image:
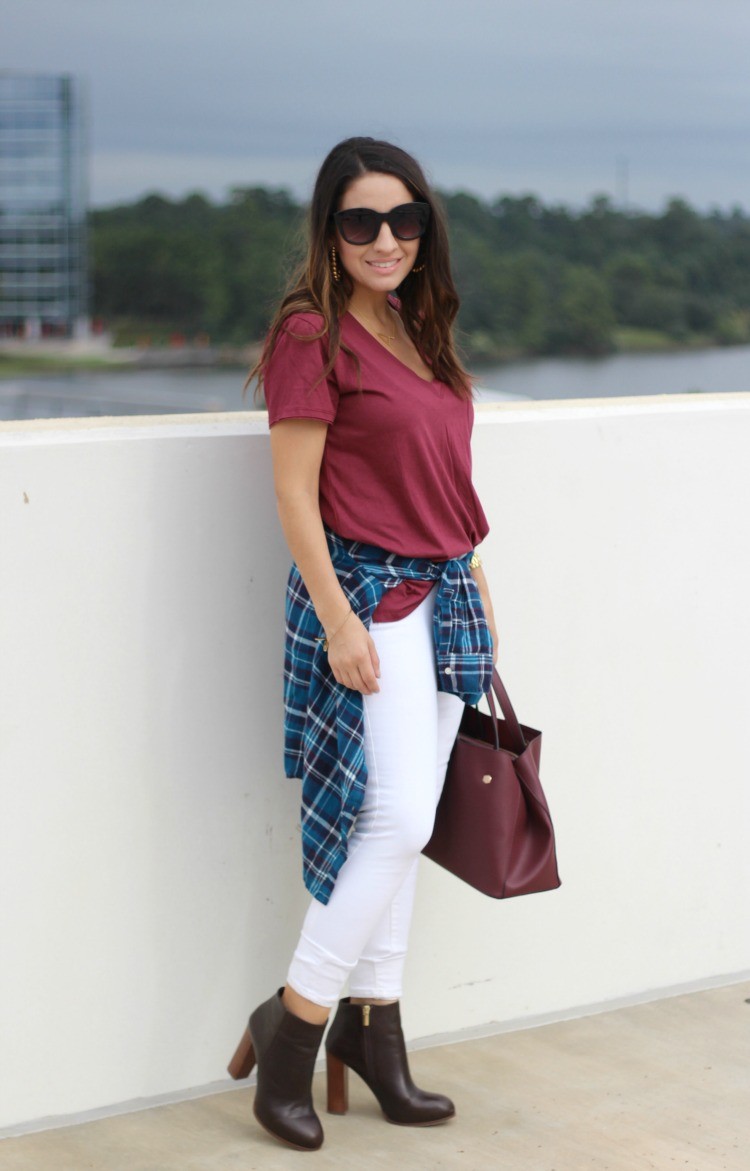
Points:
x=379, y=971
x=402, y=724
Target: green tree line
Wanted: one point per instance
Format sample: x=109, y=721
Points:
x=533, y=278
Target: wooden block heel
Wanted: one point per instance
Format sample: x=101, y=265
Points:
x=243, y=1062
x=368, y=1040
x=338, y=1085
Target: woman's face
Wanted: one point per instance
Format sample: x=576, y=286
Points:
x=381, y=266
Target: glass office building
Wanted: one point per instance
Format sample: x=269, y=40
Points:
x=43, y=269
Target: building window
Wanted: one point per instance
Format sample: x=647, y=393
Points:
x=43, y=247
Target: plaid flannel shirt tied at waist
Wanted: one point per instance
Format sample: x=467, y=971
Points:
x=324, y=726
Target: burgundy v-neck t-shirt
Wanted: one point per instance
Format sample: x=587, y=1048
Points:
x=396, y=468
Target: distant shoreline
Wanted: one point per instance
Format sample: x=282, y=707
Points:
x=21, y=358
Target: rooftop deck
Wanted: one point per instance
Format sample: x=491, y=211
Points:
x=654, y=1087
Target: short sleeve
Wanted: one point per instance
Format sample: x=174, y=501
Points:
x=292, y=383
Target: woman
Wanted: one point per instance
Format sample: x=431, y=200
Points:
x=389, y=619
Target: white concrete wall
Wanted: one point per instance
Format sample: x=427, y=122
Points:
x=150, y=887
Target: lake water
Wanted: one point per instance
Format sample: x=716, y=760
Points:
x=158, y=392
x=712, y=370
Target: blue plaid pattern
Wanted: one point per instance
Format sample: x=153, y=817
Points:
x=323, y=731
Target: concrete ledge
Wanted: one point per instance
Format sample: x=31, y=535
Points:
x=149, y=856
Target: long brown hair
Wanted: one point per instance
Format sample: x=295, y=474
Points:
x=429, y=301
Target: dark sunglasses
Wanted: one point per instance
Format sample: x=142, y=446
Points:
x=361, y=225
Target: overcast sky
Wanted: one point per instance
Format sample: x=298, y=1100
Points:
x=563, y=98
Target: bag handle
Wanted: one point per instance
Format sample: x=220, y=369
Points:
x=507, y=709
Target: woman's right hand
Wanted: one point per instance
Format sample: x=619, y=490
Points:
x=297, y=449
x=353, y=658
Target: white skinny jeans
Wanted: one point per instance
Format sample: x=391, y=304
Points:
x=409, y=726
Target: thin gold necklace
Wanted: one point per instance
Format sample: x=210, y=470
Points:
x=388, y=338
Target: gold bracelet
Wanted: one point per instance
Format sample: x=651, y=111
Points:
x=328, y=640
x=476, y=561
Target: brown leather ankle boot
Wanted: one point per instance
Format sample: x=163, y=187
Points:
x=285, y=1048
x=368, y=1039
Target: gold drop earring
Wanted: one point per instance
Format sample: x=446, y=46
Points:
x=335, y=271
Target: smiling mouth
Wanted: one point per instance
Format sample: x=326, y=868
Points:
x=384, y=263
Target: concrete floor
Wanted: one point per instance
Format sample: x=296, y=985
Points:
x=656, y=1086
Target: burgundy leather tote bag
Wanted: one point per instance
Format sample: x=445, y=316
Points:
x=493, y=828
